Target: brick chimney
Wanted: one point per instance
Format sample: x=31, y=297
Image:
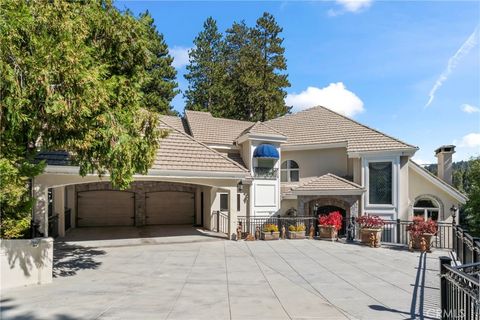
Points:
x=444, y=167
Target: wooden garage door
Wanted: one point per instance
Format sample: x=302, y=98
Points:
x=170, y=207
x=105, y=208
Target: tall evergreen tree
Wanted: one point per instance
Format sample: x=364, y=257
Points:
x=207, y=72
x=265, y=37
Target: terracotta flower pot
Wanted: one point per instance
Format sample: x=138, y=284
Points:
x=328, y=232
x=371, y=237
x=422, y=242
x=270, y=235
x=296, y=234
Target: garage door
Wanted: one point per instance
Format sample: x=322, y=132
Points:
x=105, y=208
x=170, y=207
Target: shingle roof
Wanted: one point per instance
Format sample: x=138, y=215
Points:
x=322, y=125
x=179, y=151
x=328, y=182
x=174, y=121
x=208, y=129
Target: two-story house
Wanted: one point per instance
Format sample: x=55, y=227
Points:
x=307, y=163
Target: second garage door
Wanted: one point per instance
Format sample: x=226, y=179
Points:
x=170, y=207
x=105, y=208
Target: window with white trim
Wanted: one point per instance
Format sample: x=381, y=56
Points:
x=290, y=171
x=380, y=182
x=427, y=208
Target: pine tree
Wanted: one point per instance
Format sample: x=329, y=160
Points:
x=207, y=72
x=265, y=37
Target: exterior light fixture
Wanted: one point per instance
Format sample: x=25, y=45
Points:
x=240, y=186
x=453, y=209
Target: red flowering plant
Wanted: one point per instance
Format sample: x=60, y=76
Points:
x=419, y=226
x=370, y=222
x=332, y=219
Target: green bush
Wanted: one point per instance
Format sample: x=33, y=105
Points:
x=15, y=228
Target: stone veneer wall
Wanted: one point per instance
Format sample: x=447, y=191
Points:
x=349, y=203
x=140, y=188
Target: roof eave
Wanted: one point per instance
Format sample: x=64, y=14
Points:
x=261, y=137
x=410, y=152
x=331, y=192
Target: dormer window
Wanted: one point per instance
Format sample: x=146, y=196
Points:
x=290, y=171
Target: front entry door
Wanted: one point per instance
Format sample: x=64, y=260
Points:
x=325, y=210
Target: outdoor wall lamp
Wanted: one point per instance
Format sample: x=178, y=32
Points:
x=240, y=186
x=453, y=209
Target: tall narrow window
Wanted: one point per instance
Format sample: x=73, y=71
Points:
x=380, y=182
x=224, y=202
x=238, y=202
x=290, y=172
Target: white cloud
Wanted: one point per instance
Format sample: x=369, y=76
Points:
x=335, y=96
x=350, y=6
x=453, y=62
x=180, y=56
x=468, y=108
x=471, y=140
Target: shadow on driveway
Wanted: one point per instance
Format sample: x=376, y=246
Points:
x=70, y=258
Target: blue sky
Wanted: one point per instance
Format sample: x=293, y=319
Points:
x=379, y=62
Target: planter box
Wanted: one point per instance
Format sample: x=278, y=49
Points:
x=26, y=262
x=296, y=234
x=367, y=234
x=328, y=232
x=270, y=235
x=418, y=243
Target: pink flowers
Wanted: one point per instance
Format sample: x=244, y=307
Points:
x=419, y=226
x=333, y=219
x=370, y=222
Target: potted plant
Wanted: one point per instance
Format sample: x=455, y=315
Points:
x=270, y=232
x=296, y=232
x=421, y=233
x=370, y=230
x=329, y=225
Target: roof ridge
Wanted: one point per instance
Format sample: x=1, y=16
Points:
x=273, y=129
x=438, y=179
x=204, y=145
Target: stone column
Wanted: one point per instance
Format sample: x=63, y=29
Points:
x=232, y=212
x=59, y=208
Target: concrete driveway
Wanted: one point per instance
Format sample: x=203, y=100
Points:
x=285, y=279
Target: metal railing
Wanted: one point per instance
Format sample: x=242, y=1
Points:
x=250, y=224
x=465, y=246
x=265, y=173
x=53, y=226
x=68, y=219
x=459, y=290
x=220, y=221
x=396, y=232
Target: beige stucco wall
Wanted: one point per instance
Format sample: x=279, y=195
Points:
x=419, y=186
x=26, y=262
x=314, y=163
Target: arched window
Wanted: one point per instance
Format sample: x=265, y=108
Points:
x=426, y=207
x=290, y=171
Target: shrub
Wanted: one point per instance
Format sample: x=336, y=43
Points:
x=15, y=228
x=332, y=219
x=300, y=227
x=270, y=227
x=370, y=222
x=419, y=226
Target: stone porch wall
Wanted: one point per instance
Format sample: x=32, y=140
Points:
x=140, y=188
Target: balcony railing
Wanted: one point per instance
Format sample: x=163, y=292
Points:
x=265, y=173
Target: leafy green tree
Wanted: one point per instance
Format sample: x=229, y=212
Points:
x=81, y=77
x=207, y=72
x=472, y=207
